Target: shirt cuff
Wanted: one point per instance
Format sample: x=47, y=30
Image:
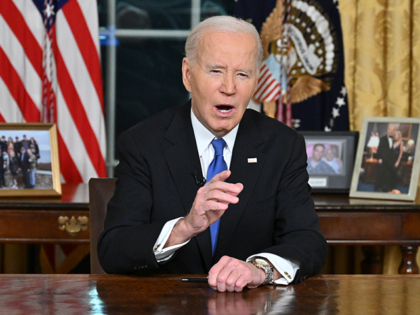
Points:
x=164, y=254
x=285, y=267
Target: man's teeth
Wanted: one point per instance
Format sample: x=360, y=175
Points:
x=224, y=109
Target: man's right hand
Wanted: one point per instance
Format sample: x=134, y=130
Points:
x=211, y=202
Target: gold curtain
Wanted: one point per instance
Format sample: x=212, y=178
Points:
x=382, y=58
x=382, y=64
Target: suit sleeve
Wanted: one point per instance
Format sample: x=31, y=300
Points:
x=126, y=244
x=297, y=235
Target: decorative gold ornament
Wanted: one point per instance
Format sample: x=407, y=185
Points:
x=73, y=226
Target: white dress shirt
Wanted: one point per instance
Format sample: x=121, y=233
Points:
x=390, y=141
x=205, y=149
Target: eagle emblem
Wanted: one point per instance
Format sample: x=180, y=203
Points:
x=299, y=54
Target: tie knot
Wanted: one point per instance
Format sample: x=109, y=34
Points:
x=218, y=145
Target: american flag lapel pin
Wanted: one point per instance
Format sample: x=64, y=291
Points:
x=252, y=160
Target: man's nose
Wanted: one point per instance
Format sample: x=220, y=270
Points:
x=228, y=85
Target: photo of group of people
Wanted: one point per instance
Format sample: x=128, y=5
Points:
x=25, y=161
x=324, y=157
x=387, y=162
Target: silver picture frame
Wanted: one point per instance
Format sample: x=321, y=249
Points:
x=388, y=159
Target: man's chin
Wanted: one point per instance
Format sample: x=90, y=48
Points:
x=222, y=131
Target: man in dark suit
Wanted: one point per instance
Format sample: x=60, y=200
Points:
x=24, y=166
x=386, y=170
x=3, y=165
x=17, y=146
x=160, y=216
x=3, y=144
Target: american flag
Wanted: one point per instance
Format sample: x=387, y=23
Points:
x=268, y=88
x=50, y=72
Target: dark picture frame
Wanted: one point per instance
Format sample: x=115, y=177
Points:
x=332, y=171
x=29, y=160
x=387, y=167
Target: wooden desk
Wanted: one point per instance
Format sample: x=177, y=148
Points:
x=347, y=221
x=344, y=221
x=35, y=220
x=109, y=294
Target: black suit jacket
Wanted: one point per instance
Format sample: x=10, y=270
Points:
x=24, y=163
x=156, y=183
x=384, y=151
x=386, y=175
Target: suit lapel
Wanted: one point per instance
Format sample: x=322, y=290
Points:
x=246, y=165
x=182, y=156
x=184, y=164
x=183, y=161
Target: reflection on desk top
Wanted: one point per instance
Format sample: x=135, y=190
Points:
x=110, y=294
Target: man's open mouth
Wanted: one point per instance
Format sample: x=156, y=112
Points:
x=224, y=108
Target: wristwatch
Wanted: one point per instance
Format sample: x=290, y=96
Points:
x=266, y=267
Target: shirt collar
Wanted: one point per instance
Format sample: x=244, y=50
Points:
x=203, y=137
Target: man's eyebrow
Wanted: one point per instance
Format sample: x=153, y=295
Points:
x=215, y=66
x=246, y=70
x=219, y=66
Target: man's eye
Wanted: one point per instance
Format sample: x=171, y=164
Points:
x=243, y=75
x=215, y=71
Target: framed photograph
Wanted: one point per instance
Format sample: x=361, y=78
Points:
x=29, y=164
x=388, y=159
x=330, y=160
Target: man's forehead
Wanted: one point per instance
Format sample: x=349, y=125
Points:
x=221, y=53
x=209, y=39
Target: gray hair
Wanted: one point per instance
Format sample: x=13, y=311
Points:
x=222, y=23
x=395, y=125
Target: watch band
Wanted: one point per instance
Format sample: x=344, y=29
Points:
x=266, y=267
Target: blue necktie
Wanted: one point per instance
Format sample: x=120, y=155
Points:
x=216, y=166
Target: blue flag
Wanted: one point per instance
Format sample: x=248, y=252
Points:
x=302, y=76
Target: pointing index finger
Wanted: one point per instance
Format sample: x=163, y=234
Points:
x=222, y=176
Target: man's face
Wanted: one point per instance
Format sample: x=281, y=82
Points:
x=317, y=153
x=223, y=79
x=329, y=155
x=390, y=130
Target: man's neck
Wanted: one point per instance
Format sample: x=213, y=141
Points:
x=314, y=163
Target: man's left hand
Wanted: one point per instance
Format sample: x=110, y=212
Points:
x=231, y=274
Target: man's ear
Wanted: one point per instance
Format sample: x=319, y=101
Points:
x=186, y=74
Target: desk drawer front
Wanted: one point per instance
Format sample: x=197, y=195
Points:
x=364, y=226
x=39, y=226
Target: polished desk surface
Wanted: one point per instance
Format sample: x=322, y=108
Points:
x=111, y=294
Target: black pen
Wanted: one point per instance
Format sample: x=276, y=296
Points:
x=194, y=280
